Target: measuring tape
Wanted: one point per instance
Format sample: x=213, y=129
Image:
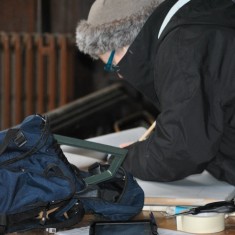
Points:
x=201, y=223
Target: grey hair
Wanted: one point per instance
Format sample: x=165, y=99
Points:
x=98, y=39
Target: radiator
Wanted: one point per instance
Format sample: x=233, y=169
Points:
x=36, y=74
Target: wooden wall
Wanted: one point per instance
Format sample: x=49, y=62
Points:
x=66, y=13
x=55, y=16
x=18, y=15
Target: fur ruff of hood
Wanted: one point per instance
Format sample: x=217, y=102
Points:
x=96, y=40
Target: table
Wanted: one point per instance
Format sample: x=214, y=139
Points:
x=163, y=222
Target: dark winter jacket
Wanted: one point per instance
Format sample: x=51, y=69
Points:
x=189, y=74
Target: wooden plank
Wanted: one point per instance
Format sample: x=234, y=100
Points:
x=52, y=83
x=6, y=82
x=18, y=81
x=29, y=76
x=63, y=70
x=40, y=72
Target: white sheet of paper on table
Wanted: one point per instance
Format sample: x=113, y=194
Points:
x=194, y=190
x=83, y=158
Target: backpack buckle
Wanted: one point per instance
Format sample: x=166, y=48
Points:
x=20, y=139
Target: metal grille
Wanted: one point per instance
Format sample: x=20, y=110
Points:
x=35, y=74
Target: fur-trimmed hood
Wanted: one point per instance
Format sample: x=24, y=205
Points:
x=98, y=39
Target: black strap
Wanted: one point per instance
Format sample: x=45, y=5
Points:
x=3, y=224
x=52, y=223
x=10, y=135
x=3, y=220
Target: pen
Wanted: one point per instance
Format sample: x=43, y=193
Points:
x=147, y=133
x=153, y=224
x=217, y=207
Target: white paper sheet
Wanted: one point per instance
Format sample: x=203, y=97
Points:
x=171, y=232
x=75, y=231
x=194, y=190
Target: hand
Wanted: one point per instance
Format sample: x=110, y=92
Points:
x=125, y=144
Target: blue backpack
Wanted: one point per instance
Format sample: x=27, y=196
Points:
x=39, y=188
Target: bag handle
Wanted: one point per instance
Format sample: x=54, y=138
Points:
x=10, y=135
x=118, y=156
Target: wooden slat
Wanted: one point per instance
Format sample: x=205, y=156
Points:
x=51, y=72
x=63, y=70
x=40, y=78
x=28, y=42
x=46, y=52
x=6, y=82
x=18, y=81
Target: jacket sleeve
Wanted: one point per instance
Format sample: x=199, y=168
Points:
x=182, y=144
x=189, y=128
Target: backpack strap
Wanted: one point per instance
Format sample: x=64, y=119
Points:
x=13, y=135
x=3, y=223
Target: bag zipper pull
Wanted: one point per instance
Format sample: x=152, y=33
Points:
x=44, y=216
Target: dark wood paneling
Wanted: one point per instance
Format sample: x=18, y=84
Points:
x=57, y=16
x=18, y=15
x=66, y=13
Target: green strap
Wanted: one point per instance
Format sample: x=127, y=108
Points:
x=118, y=156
